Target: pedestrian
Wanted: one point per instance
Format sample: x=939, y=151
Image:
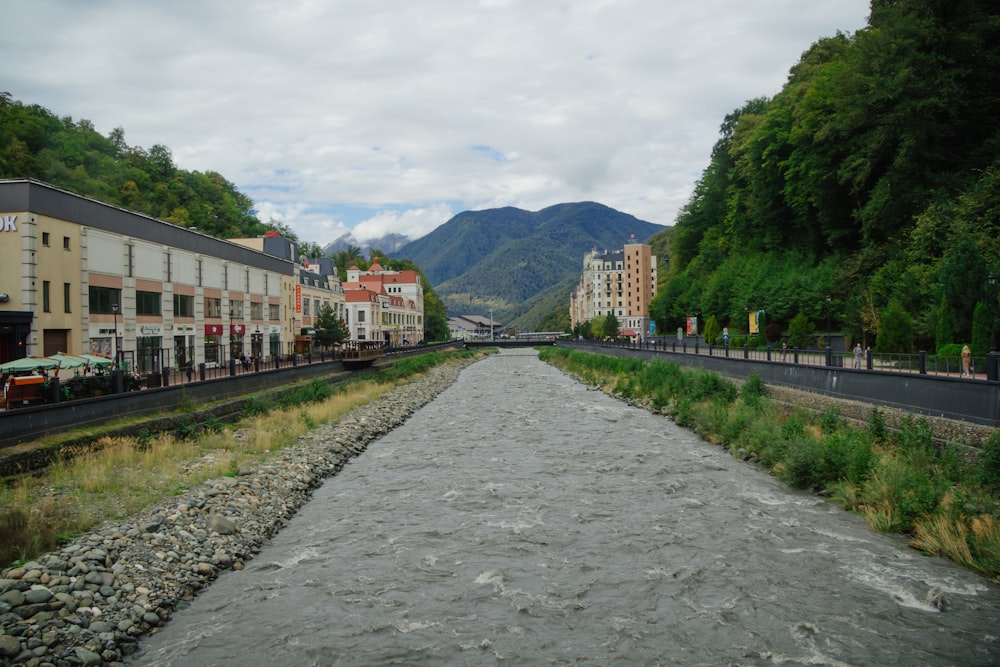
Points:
x=857, y=355
x=966, y=361
x=784, y=350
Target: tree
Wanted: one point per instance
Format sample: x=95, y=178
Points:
x=330, y=329
x=800, y=331
x=943, y=333
x=712, y=329
x=896, y=332
x=981, y=330
x=611, y=326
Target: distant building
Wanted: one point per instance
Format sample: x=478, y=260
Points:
x=622, y=282
x=473, y=326
x=382, y=304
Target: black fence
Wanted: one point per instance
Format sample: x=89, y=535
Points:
x=983, y=367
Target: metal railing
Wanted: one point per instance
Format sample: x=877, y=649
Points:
x=982, y=367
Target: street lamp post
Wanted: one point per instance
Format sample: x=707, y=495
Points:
x=991, y=359
x=114, y=309
x=829, y=348
x=491, y=325
x=992, y=280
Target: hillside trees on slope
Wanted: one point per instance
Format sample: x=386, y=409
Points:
x=871, y=176
x=34, y=143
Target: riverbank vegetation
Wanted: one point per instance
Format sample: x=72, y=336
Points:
x=124, y=475
x=945, y=498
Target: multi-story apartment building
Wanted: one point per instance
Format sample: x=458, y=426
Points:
x=622, y=282
x=385, y=305
x=83, y=276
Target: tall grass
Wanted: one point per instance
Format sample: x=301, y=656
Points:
x=122, y=476
x=901, y=481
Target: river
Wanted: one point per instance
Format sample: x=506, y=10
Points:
x=522, y=518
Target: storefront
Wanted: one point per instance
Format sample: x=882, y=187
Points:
x=257, y=343
x=148, y=344
x=274, y=341
x=213, y=345
x=236, y=335
x=183, y=346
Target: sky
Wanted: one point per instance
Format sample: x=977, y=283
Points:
x=379, y=116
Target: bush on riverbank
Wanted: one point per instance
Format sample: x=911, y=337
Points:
x=900, y=480
x=124, y=475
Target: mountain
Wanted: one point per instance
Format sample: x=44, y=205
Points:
x=387, y=244
x=509, y=260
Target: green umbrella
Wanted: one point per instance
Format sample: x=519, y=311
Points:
x=28, y=364
x=97, y=361
x=68, y=360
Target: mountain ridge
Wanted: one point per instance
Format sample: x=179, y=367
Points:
x=504, y=259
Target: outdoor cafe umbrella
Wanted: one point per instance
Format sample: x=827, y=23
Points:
x=68, y=360
x=28, y=364
x=96, y=360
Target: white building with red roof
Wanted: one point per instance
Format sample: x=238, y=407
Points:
x=382, y=304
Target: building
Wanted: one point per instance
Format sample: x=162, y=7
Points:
x=622, y=282
x=463, y=327
x=84, y=276
x=315, y=285
x=384, y=305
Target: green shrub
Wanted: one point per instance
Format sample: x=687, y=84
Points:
x=255, y=406
x=988, y=464
x=753, y=388
x=803, y=463
x=830, y=420
x=877, y=427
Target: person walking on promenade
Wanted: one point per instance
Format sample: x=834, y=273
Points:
x=857, y=355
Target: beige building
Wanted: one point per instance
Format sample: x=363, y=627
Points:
x=84, y=276
x=622, y=282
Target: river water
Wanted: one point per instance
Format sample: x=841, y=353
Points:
x=521, y=518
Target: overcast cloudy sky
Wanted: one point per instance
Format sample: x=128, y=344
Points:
x=393, y=115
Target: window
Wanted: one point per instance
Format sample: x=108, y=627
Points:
x=236, y=309
x=65, y=243
x=256, y=310
x=183, y=305
x=66, y=302
x=45, y=296
x=148, y=303
x=213, y=307
x=273, y=311
x=305, y=307
x=45, y=239
x=102, y=298
x=361, y=316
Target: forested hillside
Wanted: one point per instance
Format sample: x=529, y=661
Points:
x=871, y=178
x=35, y=143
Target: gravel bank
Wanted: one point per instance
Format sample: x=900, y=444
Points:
x=91, y=602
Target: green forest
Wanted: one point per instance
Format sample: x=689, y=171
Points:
x=867, y=191
x=35, y=143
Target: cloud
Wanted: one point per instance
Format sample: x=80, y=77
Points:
x=393, y=116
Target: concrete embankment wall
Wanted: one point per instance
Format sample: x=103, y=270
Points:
x=975, y=401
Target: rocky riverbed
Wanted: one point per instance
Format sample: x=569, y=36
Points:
x=91, y=602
